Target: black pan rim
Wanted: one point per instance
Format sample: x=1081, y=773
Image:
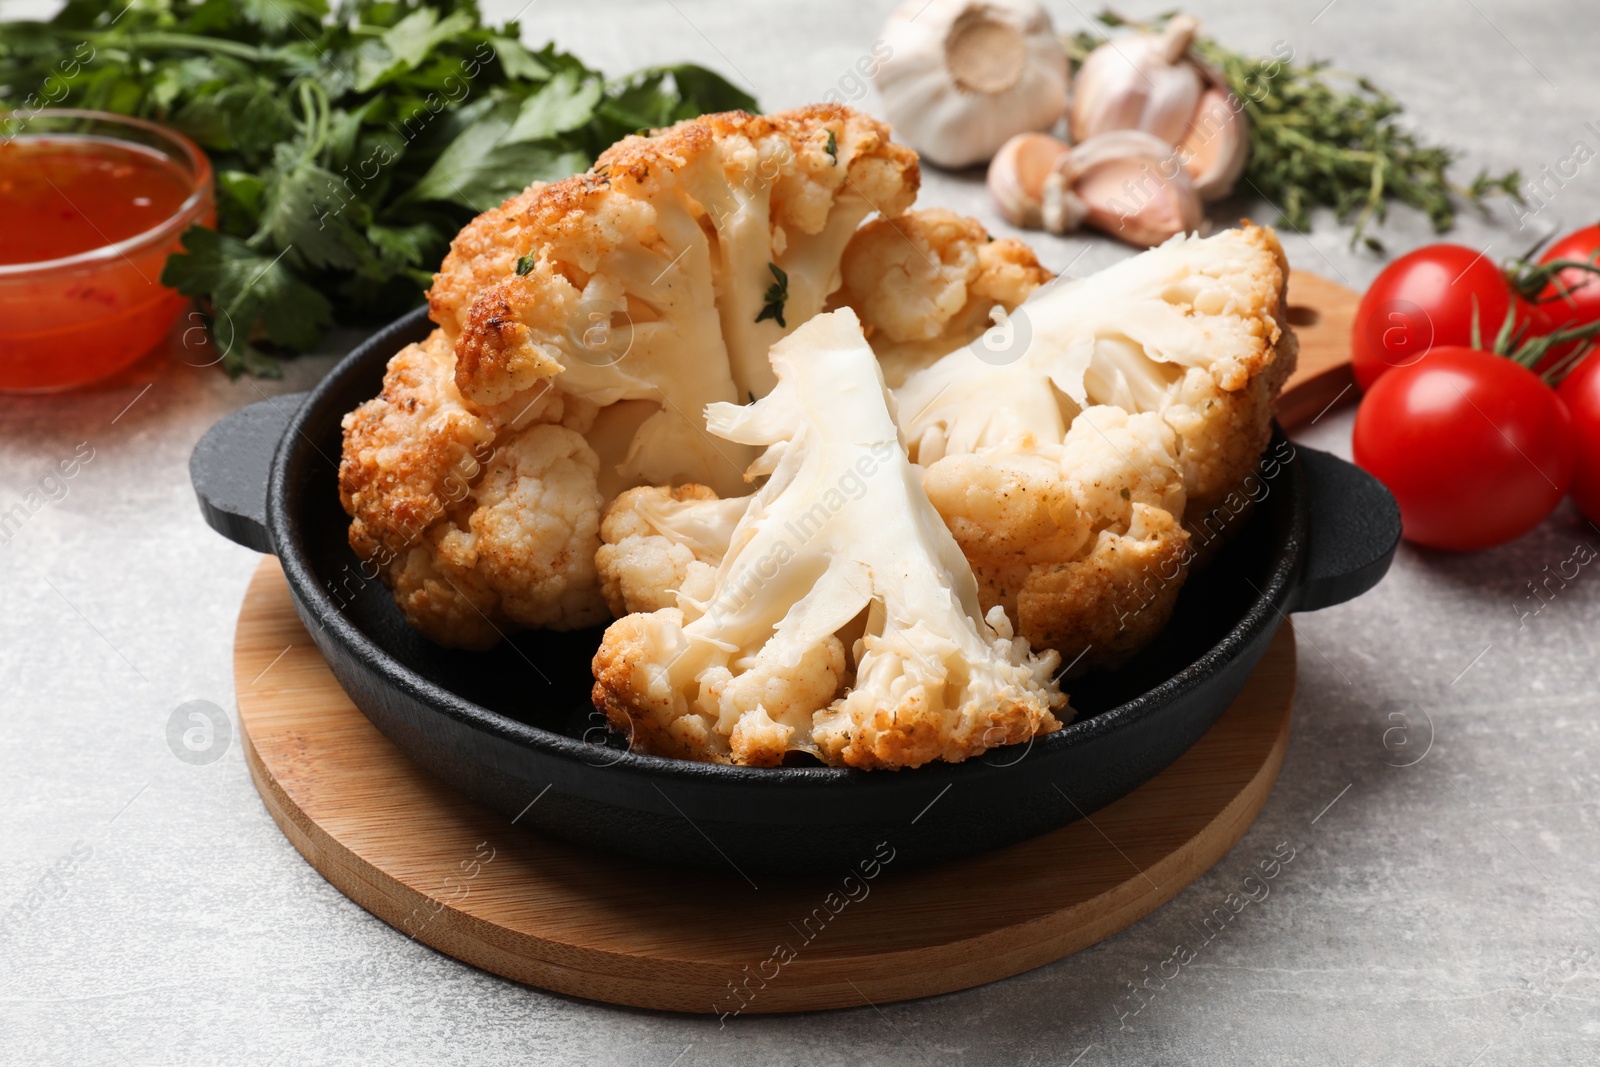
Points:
x=1266, y=611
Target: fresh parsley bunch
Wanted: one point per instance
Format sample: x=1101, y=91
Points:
x=349, y=144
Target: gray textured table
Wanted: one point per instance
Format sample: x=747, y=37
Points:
x=1441, y=913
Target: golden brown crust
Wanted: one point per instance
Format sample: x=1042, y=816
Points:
x=911, y=734
x=1214, y=513
x=483, y=252
x=1094, y=606
x=470, y=520
x=568, y=227
x=410, y=452
x=1221, y=494
x=613, y=684
x=1091, y=612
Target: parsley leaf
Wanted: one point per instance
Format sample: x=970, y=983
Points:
x=414, y=37
x=485, y=164
x=303, y=213
x=563, y=104
x=245, y=286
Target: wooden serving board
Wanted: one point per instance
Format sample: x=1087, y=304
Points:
x=439, y=867
x=1322, y=314
x=459, y=877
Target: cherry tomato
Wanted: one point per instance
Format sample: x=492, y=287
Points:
x=1581, y=392
x=1579, y=304
x=1573, y=296
x=1476, y=448
x=1425, y=300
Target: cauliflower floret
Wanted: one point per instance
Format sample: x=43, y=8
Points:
x=1078, y=541
x=478, y=520
x=437, y=585
x=666, y=272
x=517, y=551
x=617, y=305
x=926, y=282
x=1192, y=330
x=1072, y=466
x=840, y=537
x=1113, y=601
x=537, y=525
x=659, y=540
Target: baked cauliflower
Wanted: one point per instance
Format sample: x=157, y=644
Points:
x=842, y=620
x=583, y=327
x=665, y=273
x=1115, y=411
x=658, y=538
x=925, y=283
x=477, y=518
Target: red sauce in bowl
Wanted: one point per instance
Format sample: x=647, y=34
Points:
x=92, y=204
x=67, y=195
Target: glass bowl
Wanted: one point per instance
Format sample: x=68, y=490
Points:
x=70, y=321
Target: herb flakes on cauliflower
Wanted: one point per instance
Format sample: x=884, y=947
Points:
x=843, y=620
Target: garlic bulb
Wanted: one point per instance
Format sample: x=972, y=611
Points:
x=1151, y=82
x=963, y=76
x=1124, y=183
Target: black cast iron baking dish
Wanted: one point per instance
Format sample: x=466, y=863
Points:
x=514, y=727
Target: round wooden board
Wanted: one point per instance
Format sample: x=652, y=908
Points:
x=460, y=878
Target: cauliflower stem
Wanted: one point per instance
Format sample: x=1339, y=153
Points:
x=840, y=541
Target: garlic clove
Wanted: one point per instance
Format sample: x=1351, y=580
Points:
x=1176, y=37
x=1171, y=207
x=961, y=77
x=1126, y=183
x=1017, y=175
x=1217, y=144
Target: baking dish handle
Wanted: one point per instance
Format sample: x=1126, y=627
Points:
x=230, y=466
x=1353, y=528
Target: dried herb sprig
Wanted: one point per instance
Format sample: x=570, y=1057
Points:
x=1323, y=138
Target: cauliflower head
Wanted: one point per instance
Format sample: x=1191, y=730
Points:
x=842, y=619
x=1073, y=458
x=583, y=328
